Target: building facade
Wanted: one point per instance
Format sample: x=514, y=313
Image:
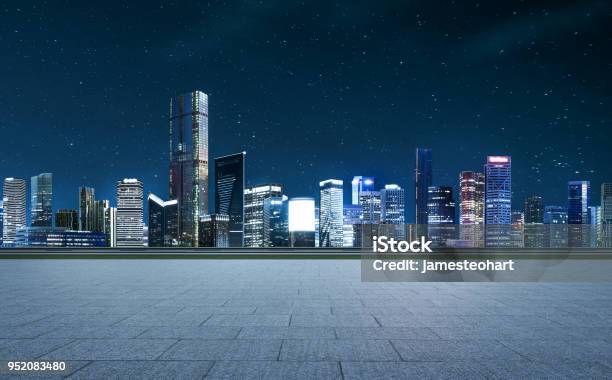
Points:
x=162, y=222
x=14, y=193
x=276, y=222
x=254, y=198
x=359, y=184
x=534, y=222
x=606, y=215
x=556, y=231
x=498, y=201
x=578, y=197
x=87, y=198
x=129, y=213
x=214, y=231
x=229, y=194
x=41, y=200
x=352, y=216
x=370, y=206
x=302, y=223
x=471, y=208
x=67, y=219
x=330, y=213
x=440, y=214
x=189, y=162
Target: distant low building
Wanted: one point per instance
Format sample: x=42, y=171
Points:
x=214, y=231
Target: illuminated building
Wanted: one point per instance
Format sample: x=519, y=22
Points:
x=162, y=222
x=129, y=213
x=330, y=214
x=471, y=207
x=498, y=201
x=254, y=199
x=14, y=193
x=302, y=222
x=214, y=231
x=41, y=214
x=578, y=194
x=229, y=194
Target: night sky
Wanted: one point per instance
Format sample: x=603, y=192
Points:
x=310, y=90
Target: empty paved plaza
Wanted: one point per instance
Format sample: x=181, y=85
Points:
x=308, y=319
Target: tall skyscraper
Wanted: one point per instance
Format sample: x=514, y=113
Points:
x=214, y=231
x=129, y=213
x=14, y=193
x=87, y=219
x=254, y=198
x=302, y=222
x=189, y=162
x=534, y=222
x=606, y=215
x=440, y=214
x=578, y=196
x=229, y=194
x=330, y=213
x=423, y=179
x=471, y=207
x=392, y=205
x=555, y=219
x=100, y=211
x=276, y=222
x=352, y=215
x=498, y=200
x=359, y=184
x=41, y=200
x=162, y=222
x=68, y=219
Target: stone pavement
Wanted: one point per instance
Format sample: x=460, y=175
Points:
x=285, y=319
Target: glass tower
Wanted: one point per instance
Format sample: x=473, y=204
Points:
x=162, y=221
x=41, y=214
x=440, y=214
x=359, y=184
x=330, y=213
x=276, y=229
x=129, y=213
x=578, y=194
x=14, y=192
x=498, y=200
x=229, y=194
x=254, y=198
x=86, y=209
x=471, y=207
x=189, y=162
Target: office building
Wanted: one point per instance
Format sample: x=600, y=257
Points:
x=87, y=219
x=556, y=229
x=14, y=193
x=51, y=237
x=471, y=208
x=498, y=201
x=67, y=219
x=423, y=180
x=359, y=184
x=129, y=213
x=606, y=215
x=189, y=162
x=1, y=219
x=302, y=222
x=229, y=194
x=214, y=231
x=517, y=229
x=276, y=222
x=392, y=212
x=162, y=222
x=440, y=214
x=578, y=196
x=370, y=206
x=330, y=213
x=111, y=226
x=254, y=198
x=352, y=215
x=534, y=223
x=595, y=225
x=41, y=189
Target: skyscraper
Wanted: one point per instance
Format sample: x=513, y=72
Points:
x=68, y=219
x=352, y=215
x=229, y=194
x=606, y=215
x=214, y=231
x=99, y=215
x=14, y=192
x=595, y=226
x=189, y=162
x=129, y=213
x=162, y=222
x=41, y=200
x=302, y=222
x=423, y=179
x=1, y=219
x=359, y=184
x=254, y=198
x=555, y=219
x=87, y=220
x=517, y=229
x=440, y=214
x=498, y=200
x=392, y=205
x=370, y=205
x=330, y=213
x=534, y=222
x=471, y=207
x=276, y=222
x=578, y=195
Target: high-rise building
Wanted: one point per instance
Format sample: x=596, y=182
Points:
x=68, y=219
x=393, y=212
x=14, y=193
x=498, y=201
x=276, y=222
x=370, y=205
x=423, y=179
x=41, y=214
x=555, y=219
x=517, y=229
x=99, y=213
x=330, y=213
x=595, y=226
x=352, y=215
x=214, y=231
x=254, y=198
x=129, y=213
x=111, y=226
x=87, y=219
x=229, y=194
x=578, y=196
x=359, y=184
x=189, y=162
x=302, y=222
x=471, y=208
x=440, y=214
x=1, y=219
x=606, y=215
x=162, y=222
x=534, y=222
